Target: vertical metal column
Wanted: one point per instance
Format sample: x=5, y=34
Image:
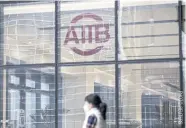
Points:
x=57, y=44
x=116, y=64
x=1, y=61
x=182, y=86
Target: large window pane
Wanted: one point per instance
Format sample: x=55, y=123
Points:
x=150, y=95
x=77, y=82
x=149, y=32
x=28, y=97
x=87, y=32
x=26, y=36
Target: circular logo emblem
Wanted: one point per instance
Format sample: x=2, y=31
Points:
x=80, y=33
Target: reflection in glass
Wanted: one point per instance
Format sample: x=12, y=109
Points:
x=13, y=105
x=77, y=82
x=150, y=95
x=30, y=108
x=26, y=37
x=87, y=35
x=30, y=101
x=149, y=32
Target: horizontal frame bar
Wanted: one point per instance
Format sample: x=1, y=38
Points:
x=28, y=66
x=119, y=62
x=90, y=63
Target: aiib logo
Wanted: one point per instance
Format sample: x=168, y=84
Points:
x=84, y=34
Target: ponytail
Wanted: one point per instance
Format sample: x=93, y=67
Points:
x=103, y=110
x=95, y=100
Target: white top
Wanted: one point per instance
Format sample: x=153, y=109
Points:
x=101, y=123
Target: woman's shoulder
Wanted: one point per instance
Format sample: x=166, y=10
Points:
x=95, y=112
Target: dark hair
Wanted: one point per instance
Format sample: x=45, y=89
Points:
x=95, y=100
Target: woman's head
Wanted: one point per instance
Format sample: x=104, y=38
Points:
x=94, y=101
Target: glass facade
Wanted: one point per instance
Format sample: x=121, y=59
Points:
x=53, y=54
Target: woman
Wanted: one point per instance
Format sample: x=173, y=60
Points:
x=95, y=112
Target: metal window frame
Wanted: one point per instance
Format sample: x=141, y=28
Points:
x=181, y=59
x=117, y=9
x=57, y=64
x=1, y=61
x=57, y=56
